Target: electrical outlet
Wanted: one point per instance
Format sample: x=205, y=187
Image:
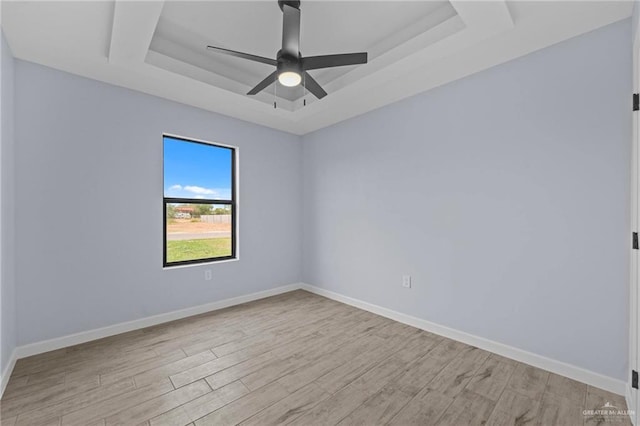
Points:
x=406, y=281
x=207, y=274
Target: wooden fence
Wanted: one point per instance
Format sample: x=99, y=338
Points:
x=215, y=218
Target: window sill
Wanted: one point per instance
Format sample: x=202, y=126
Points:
x=192, y=265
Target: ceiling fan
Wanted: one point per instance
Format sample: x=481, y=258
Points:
x=291, y=66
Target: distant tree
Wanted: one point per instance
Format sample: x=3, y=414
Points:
x=221, y=211
x=171, y=211
x=201, y=209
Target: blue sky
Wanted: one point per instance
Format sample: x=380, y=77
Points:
x=194, y=170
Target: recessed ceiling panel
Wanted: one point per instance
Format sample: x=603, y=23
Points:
x=186, y=28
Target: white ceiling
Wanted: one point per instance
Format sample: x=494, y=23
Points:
x=185, y=28
x=159, y=47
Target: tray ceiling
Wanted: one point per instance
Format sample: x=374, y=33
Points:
x=185, y=28
x=159, y=47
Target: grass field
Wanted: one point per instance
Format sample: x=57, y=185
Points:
x=198, y=249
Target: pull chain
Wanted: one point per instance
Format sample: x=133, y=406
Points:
x=275, y=94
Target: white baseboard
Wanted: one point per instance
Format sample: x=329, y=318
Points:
x=6, y=374
x=580, y=374
x=99, y=333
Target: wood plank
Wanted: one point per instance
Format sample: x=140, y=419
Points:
x=44, y=421
x=110, y=406
x=289, y=408
x=382, y=406
x=41, y=421
x=141, y=367
x=69, y=405
x=238, y=371
x=285, y=331
x=468, y=408
x=176, y=417
x=448, y=349
x=192, y=348
x=100, y=362
x=47, y=396
x=45, y=377
x=21, y=386
x=351, y=369
x=529, y=381
x=158, y=405
x=9, y=421
x=504, y=360
x=558, y=411
x=567, y=388
x=378, y=409
x=343, y=402
x=500, y=418
x=164, y=371
x=423, y=410
x=212, y=401
x=297, y=354
x=597, y=398
x=515, y=409
x=491, y=379
x=245, y=407
x=308, y=373
x=455, y=376
x=206, y=369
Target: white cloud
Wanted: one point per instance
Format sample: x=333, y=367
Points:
x=200, y=190
x=175, y=187
x=199, y=197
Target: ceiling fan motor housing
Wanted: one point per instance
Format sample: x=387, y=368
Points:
x=292, y=3
x=288, y=63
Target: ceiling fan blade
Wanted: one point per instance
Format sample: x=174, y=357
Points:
x=291, y=30
x=244, y=55
x=271, y=78
x=313, y=86
x=329, y=61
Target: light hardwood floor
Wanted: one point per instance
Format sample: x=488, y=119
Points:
x=296, y=359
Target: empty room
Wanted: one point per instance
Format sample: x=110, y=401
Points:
x=319, y=212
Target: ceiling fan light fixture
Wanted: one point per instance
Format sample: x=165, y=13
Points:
x=289, y=78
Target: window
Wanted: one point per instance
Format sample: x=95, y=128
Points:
x=199, y=202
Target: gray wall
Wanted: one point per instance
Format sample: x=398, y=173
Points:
x=89, y=201
x=7, y=228
x=504, y=195
x=635, y=17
